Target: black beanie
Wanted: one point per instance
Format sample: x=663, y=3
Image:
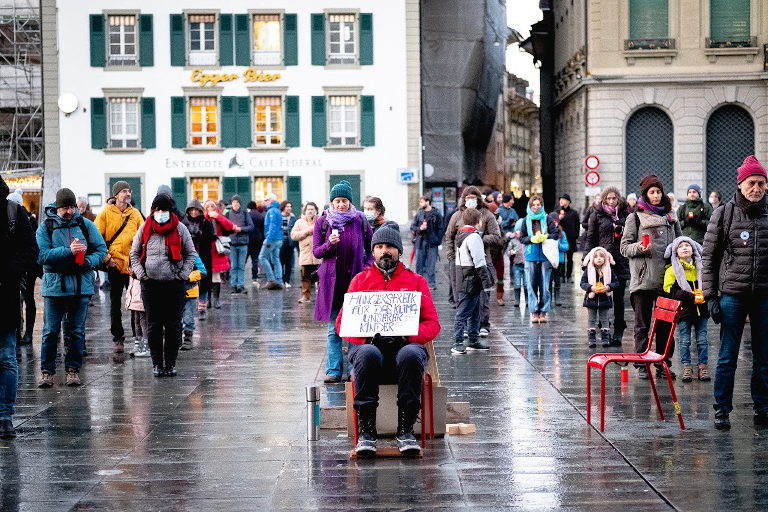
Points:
x=388, y=235
x=65, y=197
x=162, y=202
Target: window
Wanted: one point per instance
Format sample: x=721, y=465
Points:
x=262, y=186
x=341, y=39
x=202, y=39
x=205, y=188
x=267, y=40
x=729, y=24
x=730, y=139
x=204, y=125
x=342, y=129
x=123, y=123
x=649, y=145
x=122, y=41
x=268, y=120
x=649, y=26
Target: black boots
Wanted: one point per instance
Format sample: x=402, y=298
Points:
x=406, y=440
x=216, y=292
x=366, y=428
x=592, y=338
x=186, y=342
x=517, y=297
x=605, y=338
x=30, y=327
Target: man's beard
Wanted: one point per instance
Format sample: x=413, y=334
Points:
x=387, y=262
x=67, y=216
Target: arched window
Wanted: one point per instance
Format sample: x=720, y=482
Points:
x=730, y=139
x=650, y=148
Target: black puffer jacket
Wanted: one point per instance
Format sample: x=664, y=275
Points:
x=735, y=258
x=603, y=232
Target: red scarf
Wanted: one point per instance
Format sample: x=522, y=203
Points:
x=169, y=230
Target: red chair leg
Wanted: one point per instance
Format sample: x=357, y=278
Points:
x=678, y=411
x=589, y=395
x=602, y=400
x=431, y=407
x=653, y=388
x=354, y=416
x=423, y=414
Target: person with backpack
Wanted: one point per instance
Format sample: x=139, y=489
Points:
x=71, y=248
x=27, y=282
x=118, y=223
x=16, y=259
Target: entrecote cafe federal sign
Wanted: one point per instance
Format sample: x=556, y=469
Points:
x=249, y=75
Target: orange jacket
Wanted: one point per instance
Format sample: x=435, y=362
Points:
x=108, y=221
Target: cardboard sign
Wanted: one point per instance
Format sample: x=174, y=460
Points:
x=386, y=313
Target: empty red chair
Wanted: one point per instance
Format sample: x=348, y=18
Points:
x=665, y=310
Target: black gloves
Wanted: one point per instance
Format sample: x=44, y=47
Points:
x=389, y=343
x=715, y=313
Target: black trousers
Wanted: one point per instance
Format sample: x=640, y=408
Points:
x=642, y=304
x=566, y=270
x=164, y=304
x=254, y=248
x=117, y=284
x=619, y=322
x=372, y=367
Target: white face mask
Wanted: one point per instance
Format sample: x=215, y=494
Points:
x=370, y=215
x=712, y=200
x=162, y=217
x=470, y=203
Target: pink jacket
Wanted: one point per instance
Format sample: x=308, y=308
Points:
x=133, y=296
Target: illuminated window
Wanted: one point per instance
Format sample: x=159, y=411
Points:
x=341, y=39
x=342, y=128
x=204, y=126
x=122, y=41
x=269, y=185
x=205, y=188
x=268, y=120
x=123, y=123
x=202, y=39
x=267, y=39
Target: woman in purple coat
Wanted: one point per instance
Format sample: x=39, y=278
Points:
x=342, y=239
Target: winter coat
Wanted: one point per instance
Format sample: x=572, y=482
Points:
x=735, y=259
x=302, y=233
x=470, y=259
x=133, y=301
x=570, y=224
x=694, y=218
x=222, y=227
x=534, y=252
x=433, y=235
x=287, y=240
x=273, y=223
x=242, y=219
x=108, y=222
x=488, y=226
x=563, y=247
x=600, y=300
x=203, y=235
x=507, y=218
x=257, y=235
x=17, y=257
x=372, y=280
x=157, y=265
x=647, y=268
x=691, y=311
x=340, y=262
x=193, y=287
x=518, y=258
x=603, y=231
x=63, y=277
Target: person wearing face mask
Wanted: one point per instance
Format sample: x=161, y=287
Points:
x=491, y=235
x=302, y=233
x=71, y=248
x=380, y=359
x=647, y=233
x=715, y=199
x=373, y=209
x=162, y=258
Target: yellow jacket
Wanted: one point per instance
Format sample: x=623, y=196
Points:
x=108, y=221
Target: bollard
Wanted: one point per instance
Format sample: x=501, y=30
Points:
x=624, y=374
x=313, y=413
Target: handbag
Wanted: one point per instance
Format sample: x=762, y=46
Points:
x=223, y=244
x=551, y=250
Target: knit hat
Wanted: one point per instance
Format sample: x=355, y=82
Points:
x=387, y=235
x=341, y=189
x=236, y=198
x=751, y=167
x=118, y=186
x=648, y=181
x=15, y=196
x=677, y=268
x=632, y=196
x=566, y=197
x=162, y=202
x=694, y=187
x=164, y=189
x=65, y=197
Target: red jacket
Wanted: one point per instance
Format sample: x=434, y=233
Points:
x=372, y=280
x=220, y=262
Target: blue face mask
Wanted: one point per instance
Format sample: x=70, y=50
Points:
x=370, y=215
x=162, y=217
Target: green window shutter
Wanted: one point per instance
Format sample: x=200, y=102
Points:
x=294, y=193
x=290, y=41
x=367, y=121
x=226, y=41
x=148, y=123
x=648, y=19
x=146, y=41
x=366, y=39
x=98, y=123
x=243, y=185
x=729, y=21
x=179, y=192
x=228, y=188
x=319, y=130
x=242, y=40
x=292, y=131
x=243, y=123
x=318, y=39
x=98, y=43
x=178, y=41
x=137, y=189
x=178, y=122
x=228, y=122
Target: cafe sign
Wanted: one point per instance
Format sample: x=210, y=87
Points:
x=250, y=75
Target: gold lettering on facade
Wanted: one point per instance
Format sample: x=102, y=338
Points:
x=249, y=75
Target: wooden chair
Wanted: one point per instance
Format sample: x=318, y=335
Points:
x=665, y=310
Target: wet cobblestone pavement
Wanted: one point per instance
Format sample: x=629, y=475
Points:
x=229, y=432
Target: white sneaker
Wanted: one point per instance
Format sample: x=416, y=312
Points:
x=136, y=347
x=143, y=349
x=287, y=285
x=484, y=332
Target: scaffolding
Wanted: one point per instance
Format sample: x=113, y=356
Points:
x=21, y=112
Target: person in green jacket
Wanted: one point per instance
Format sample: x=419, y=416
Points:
x=694, y=214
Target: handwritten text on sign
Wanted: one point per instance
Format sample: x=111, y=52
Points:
x=385, y=313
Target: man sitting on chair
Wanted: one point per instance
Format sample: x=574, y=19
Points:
x=386, y=359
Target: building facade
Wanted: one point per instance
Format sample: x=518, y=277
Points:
x=674, y=87
x=216, y=100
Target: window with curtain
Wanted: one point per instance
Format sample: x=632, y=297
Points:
x=341, y=39
x=205, y=188
x=204, y=126
x=729, y=23
x=122, y=41
x=202, y=39
x=648, y=19
x=343, y=121
x=123, y=123
x=267, y=38
x=268, y=120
